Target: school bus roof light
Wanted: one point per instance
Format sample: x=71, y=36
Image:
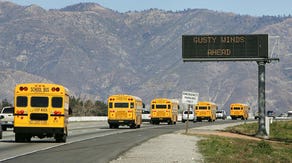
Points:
x=23, y=88
x=57, y=89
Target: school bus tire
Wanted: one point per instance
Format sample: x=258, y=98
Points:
x=19, y=138
x=111, y=126
x=133, y=126
x=61, y=138
x=27, y=138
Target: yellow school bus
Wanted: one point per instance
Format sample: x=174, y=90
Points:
x=164, y=110
x=42, y=110
x=124, y=110
x=239, y=110
x=205, y=110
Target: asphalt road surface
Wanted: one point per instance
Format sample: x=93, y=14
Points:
x=87, y=142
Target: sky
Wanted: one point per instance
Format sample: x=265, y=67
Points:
x=243, y=7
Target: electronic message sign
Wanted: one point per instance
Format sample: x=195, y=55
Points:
x=225, y=47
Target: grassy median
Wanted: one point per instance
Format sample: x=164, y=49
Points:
x=225, y=149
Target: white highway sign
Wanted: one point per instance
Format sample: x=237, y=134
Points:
x=190, y=97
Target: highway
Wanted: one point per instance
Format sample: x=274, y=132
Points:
x=87, y=142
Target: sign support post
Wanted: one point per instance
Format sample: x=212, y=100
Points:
x=187, y=123
x=189, y=98
x=261, y=100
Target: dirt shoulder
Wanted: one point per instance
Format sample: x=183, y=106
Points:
x=218, y=131
x=222, y=133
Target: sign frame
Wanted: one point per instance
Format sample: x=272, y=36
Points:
x=200, y=48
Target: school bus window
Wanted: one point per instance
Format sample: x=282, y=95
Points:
x=57, y=102
x=37, y=116
x=39, y=102
x=131, y=105
x=236, y=108
x=152, y=106
x=168, y=106
x=110, y=105
x=160, y=106
x=121, y=105
x=208, y=107
x=21, y=101
x=202, y=108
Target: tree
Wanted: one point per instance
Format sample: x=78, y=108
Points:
x=87, y=108
x=5, y=103
x=101, y=108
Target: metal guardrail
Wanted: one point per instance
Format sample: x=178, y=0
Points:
x=88, y=118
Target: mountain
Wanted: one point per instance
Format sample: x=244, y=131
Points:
x=96, y=52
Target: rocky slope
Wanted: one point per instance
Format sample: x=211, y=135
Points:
x=96, y=52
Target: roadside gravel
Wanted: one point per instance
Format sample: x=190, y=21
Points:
x=170, y=148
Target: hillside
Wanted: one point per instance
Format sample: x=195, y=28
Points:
x=96, y=52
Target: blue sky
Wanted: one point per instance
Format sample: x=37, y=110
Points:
x=244, y=7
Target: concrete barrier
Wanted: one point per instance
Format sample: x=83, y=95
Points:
x=88, y=118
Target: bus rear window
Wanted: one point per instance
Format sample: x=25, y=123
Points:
x=21, y=101
x=122, y=105
x=57, y=102
x=161, y=107
x=203, y=108
x=39, y=102
x=236, y=108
